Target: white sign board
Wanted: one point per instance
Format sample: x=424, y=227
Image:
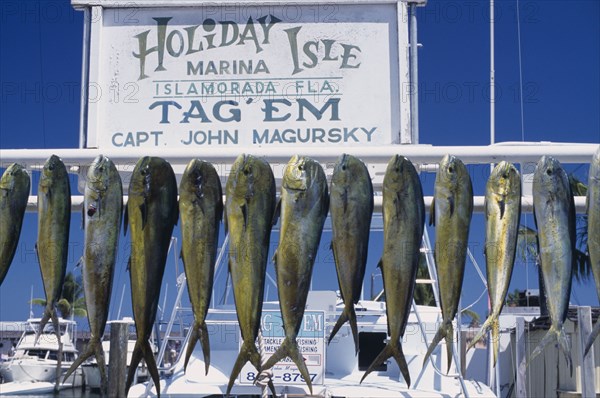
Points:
x=311, y=341
x=192, y=77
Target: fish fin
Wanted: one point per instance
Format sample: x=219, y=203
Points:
x=82, y=217
x=244, y=209
x=144, y=211
x=91, y=350
x=276, y=213
x=128, y=264
x=592, y=338
x=45, y=318
x=199, y=332
x=143, y=350
x=445, y=331
x=563, y=342
x=432, y=212
x=449, y=344
x=553, y=335
x=347, y=315
x=345, y=199
x=451, y=203
x=289, y=348
x=125, y=220
x=274, y=258
x=390, y=350
x=496, y=339
x=225, y=224
x=493, y=324
x=248, y=352
x=502, y=205
x=79, y=262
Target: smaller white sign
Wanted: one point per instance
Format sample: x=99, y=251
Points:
x=311, y=341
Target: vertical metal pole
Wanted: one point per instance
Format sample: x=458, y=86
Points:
x=584, y=322
x=117, y=368
x=414, y=76
x=492, y=78
x=521, y=358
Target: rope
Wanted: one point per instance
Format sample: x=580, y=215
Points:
x=264, y=377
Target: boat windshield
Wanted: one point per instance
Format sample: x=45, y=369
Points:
x=36, y=353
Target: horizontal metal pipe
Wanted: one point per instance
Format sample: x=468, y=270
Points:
x=421, y=154
x=526, y=203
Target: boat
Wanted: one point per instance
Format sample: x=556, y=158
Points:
x=36, y=362
x=336, y=369
x=90, y=368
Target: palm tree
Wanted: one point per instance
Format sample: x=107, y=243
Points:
x=72, y=302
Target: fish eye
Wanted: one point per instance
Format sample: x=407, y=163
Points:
x=549, y=172
x=51, y=166
x=344, y=167
x=451, y=169
x=301, y=167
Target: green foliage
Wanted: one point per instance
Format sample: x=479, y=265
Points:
x=72, y=302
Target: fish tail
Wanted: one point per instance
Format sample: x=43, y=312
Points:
x=565, y=347
x=289, y=348
x=552, y=335
x=490, y=323
x=248, y=352
x=496, y=339
x=45, y=318
x=347, y=315
x=391, y=350
x=446, y=331
x=199, y=332
x=143, y=350
x=592, y=338
x=89, y=352
x=449, y=335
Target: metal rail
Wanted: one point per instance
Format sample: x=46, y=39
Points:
x=478, y=201
x=517, y=152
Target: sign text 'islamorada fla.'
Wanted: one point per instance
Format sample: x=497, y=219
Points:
x=173, y=77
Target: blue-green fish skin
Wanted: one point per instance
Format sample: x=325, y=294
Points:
x=14, y=193
x=102, y=214
x=452, y=209
x=403, y=224
x=304, y=207
x=151, y=215
x=502, y=213
x=201, y=211
x=250, y=210
x=54, y=218
x=554, y=212
x=351, y=209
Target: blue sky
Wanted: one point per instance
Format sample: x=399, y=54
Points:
x=40, y=74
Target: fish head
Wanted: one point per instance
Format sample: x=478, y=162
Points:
x=194, y=173
x=249, y=175
x=141, y=176
x=15, y=176
x=504, y=178
x=301, y=173
x=396, y=172
x=549, y=173
x=53, y=168
x=347, y=169
x=450, y=170
x=295, y=175
x=101, y=172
